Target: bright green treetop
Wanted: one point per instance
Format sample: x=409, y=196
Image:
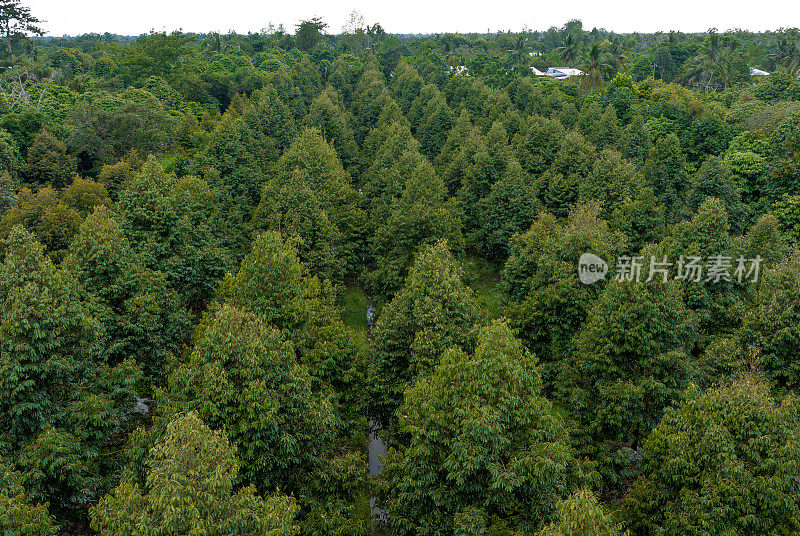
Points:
x=432, y=312
x=191, y=490
x=581, y=514
x=18, y=517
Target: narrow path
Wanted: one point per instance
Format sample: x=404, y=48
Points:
x=375, y=445
x=377, y=450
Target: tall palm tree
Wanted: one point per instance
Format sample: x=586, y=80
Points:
x=617, y=51
x=702, y=69
x=593, y=72
x=569, y=51
x=518, y=54
x=787, y=53
x=712, y=47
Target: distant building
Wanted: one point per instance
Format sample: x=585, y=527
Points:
x=537, y=72
x=562, y=72
x=758, y=72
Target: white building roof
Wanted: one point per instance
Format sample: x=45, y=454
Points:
x=562, y=72
x=758, y=72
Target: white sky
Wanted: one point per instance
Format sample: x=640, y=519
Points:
x=133, y=17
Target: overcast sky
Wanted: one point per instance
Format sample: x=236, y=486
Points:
x=133, y=17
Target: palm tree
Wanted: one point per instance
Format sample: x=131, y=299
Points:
x=617, y=51
x=593, y=72
x=569, y=51
x=712, y=47
x=787, y=53
x=701, y=69
x=518, y=55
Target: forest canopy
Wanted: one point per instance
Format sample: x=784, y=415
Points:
x=316, y=283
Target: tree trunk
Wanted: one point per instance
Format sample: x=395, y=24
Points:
x=8, y=43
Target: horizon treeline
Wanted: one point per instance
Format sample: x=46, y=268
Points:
x=225, y=260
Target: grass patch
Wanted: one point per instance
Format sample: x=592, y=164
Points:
x=483, y=277
x=355, y=304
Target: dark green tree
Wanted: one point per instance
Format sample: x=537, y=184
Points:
x=242, y=366
x=769, y=329
x=18, y=516
x=178, y=226
x=432, y=131
x=48, y=162
x=309, y=32
x=334, y=124
x=310, y=198
x=635, y=142
x=712, y=437
x=457, y=136
x=486, y=452
x=537, y=143
x=510, y=208
x=665, y=171
x=370, y=97
x=581, y=514
x=480, y=166
x=612, y=181
x=406, y=85
x=713, y=179
x=432, y=312
x=62, y=400
x=640, y=218
x=607, y=130
x=275, y=285
x=140, y=314
x=107, y=126
x=8, y=192
x=238, y=157
x=633, y=359
x=16, y=22
x=10, y=159
x=422, y=215
x=547, y=302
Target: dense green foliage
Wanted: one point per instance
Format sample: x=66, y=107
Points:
x=190, y=488
x=233, y=266
x=19, y=517
x=713, y=459
x=581, y=515
x=485, y=450
x=434, y=311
